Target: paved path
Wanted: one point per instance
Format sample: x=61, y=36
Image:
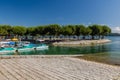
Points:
x=55, y=68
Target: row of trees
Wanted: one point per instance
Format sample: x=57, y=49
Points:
x=56, y=30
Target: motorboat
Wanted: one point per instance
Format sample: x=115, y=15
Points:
x=4, y=50
x=41, y=47
x=10, y=47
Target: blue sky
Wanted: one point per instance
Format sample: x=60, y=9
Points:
x=42, y=12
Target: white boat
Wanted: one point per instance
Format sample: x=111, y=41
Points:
x=27, y=47
x=41, y=47
x=6, y=50
x=24, y=49
x=20, y=47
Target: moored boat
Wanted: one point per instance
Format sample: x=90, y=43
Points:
x=13, y=47
x=41, y=47
x=24, y=48
x=4, y=50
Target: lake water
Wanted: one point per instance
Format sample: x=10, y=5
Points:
x=107, y=53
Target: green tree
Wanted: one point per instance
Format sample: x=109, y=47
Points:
x=105, y=31
x=6, y=29
x=67, y=30
x=96, y=30
x=19, y=30
x=54, y=29
x=80, y=29
x=30, y=31
x=3, y=32
x=40, y=30
x=87, y=31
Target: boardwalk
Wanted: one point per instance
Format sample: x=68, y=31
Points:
x=55, y=68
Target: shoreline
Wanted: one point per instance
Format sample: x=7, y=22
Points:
x=97, y=61
x=81, y=42
x=58, y=67
x=81, y=57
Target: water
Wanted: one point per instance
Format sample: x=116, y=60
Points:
x=107, y=53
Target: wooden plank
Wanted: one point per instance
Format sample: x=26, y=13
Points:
x=23, y=73
x=6, y=73
x=34, y=71
x=37, y=67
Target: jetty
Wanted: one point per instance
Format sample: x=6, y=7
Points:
x=81, y=42
x=54, y=67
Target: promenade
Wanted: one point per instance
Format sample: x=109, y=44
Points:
x=55, y=68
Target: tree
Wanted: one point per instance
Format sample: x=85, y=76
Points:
x=79, y=30
x=87, y=31
x=54, y=29
x=30, y=31
x=96, y=30
x=6, y=29
x=105, y=31
x=18, y=30
x=67, y=30
x=3, y=32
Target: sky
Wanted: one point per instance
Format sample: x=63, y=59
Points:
x=42, y=12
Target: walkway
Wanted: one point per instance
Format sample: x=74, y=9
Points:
x=55, y=68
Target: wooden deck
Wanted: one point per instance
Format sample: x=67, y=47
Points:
x=54, y=68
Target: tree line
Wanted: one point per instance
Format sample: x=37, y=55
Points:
x=94, y=31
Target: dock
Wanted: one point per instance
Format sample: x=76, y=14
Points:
x=54, y=67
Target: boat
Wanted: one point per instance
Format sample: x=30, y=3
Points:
x=10, y=47
x=5, y=47
x=41, y=47
x=4, y=50
x=23, y=49
x=27, y=46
